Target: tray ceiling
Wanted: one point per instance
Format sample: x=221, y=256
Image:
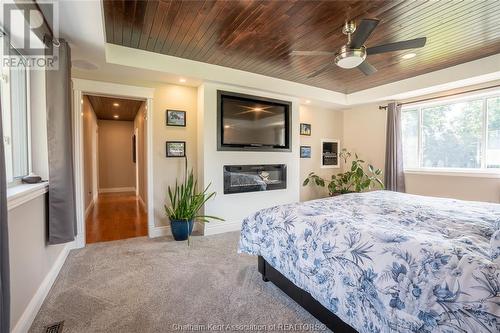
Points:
x=258, y=36
x=106, y=108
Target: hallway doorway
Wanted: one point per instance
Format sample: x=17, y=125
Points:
x=114, y=168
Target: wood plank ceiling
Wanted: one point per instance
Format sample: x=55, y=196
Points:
x=106, y=108
x=257, y=36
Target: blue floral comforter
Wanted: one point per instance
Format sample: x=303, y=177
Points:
x=388, y=262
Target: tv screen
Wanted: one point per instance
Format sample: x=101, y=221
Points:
x=249, y=122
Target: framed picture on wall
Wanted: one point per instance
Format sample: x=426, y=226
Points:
x=176, y=148
x=305, y=129
x=330, y=153
x=176, y=118
x=305, y=151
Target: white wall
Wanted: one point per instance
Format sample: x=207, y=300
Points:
x=458, y=187
x=325, y=124
x=116, y=166
x=167, y=170
x=235, y=207
x=364, y=133
x=31, y=260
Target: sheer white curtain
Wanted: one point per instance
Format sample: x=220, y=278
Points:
x=4, y=245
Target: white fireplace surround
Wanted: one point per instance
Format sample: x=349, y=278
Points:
x=235, y=207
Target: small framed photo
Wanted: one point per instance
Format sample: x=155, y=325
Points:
x=176, y=118
x=330, y=149
x=305, y=129
x=305, y=151
x=176, y=148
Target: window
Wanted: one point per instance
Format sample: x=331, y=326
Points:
x=15, y=119
x=462, y=134
x=493, y=137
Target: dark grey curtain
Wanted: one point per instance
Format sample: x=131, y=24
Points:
x=62, y=210
x=4, y=245
x=394, y=176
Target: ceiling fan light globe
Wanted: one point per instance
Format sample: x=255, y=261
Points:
x=350, y=62
x=350, y=58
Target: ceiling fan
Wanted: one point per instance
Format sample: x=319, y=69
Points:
x=353, y=54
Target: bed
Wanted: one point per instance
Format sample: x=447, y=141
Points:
x=384, y=261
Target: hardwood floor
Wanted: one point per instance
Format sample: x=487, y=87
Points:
x=116, y=216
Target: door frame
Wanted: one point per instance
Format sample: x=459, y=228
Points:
x=82, y=87
x=136, y=143
x=95, y=160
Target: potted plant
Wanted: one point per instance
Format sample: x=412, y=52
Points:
x=356, y=179
x=185, y=204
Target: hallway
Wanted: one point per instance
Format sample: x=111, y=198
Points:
x=116, y=216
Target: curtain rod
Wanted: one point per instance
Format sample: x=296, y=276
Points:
x=384, y=107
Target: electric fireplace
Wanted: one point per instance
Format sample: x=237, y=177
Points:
x=253, y=178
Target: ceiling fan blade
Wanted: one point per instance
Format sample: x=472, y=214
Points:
x=363, y=31
x=312, y=53
x=397, y=46
x=367, y=68
x=319, y=71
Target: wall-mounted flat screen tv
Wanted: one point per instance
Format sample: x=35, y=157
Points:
x=252, y=123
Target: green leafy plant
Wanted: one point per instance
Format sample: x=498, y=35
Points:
x=356, y=179
x=186, y=201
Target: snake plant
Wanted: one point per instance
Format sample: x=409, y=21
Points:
x=186, y=201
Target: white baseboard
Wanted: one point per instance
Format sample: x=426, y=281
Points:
x=159, y=231
x=29, y=314
x=116, y=189
x=79, y=241
x=213, y=228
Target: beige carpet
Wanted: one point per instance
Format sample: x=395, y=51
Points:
x=144, y=285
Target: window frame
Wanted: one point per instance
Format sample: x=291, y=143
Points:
x=483, y=171
x=6, y=113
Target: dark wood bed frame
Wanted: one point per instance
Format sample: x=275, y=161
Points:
x=303, y=298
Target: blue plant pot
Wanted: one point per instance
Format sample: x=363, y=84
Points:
x=181, y=229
